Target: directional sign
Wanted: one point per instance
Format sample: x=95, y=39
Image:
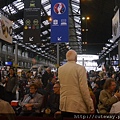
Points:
x=32, y=17
x=31, y=38
x=59, y=24
x=59, y=38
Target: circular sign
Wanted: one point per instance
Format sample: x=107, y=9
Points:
x=35, y=21
x=59, y=8
x=27, y=22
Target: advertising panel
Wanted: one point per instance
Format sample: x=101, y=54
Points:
x=5, y=29
x=116, y=26
x=59, y=25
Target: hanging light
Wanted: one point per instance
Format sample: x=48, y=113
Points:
x=108, y=45
x=110, y=40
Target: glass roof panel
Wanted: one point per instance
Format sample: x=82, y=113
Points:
x=11, y=9
x=5, y=9
x=45, y=32
x=19, y=5
x=46, y=22
x=75, y=7
x=77, y=1
x=44, y=1
x=74, y=21
x=47, y=6
x=48, y=9
x=15, y=26
x=20, y=21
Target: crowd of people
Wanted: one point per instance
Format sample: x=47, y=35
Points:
x=37, y=95
x=70, y=92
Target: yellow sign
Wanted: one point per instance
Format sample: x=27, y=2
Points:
x=15, y=65
x=57, y=65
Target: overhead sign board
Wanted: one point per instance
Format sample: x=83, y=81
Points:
x=32, y=21
x=116, y=26
x=59, y=24
x=5, y=29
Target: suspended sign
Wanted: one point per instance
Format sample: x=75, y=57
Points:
x=5, y=29
x=59, y=25
x=32, y=20
x=116, y=26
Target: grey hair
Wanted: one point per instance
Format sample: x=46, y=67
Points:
x=71, y=55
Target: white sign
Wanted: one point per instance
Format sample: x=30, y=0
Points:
x=5, y=29
x=115, y=26
x=87, y=57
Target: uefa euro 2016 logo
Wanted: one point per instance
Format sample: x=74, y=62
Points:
x=59, y=8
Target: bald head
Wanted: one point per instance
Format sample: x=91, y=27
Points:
x=71, y=55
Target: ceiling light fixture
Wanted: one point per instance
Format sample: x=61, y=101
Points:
x=108, y=45
x=110, y=40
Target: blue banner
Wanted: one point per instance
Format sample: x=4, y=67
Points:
x=59, y=24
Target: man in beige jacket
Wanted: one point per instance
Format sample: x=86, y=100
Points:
x=6, y=110
x=74, y=93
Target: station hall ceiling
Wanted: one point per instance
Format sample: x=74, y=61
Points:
x=99, y=26
x=14, y=10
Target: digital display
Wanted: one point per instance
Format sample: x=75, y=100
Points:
x=8, y=63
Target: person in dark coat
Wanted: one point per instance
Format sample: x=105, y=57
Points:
x=45, y=77
x=11, y=84
x=49, y=87
x=52, y=107
x=1, y=92
x=97, y=90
